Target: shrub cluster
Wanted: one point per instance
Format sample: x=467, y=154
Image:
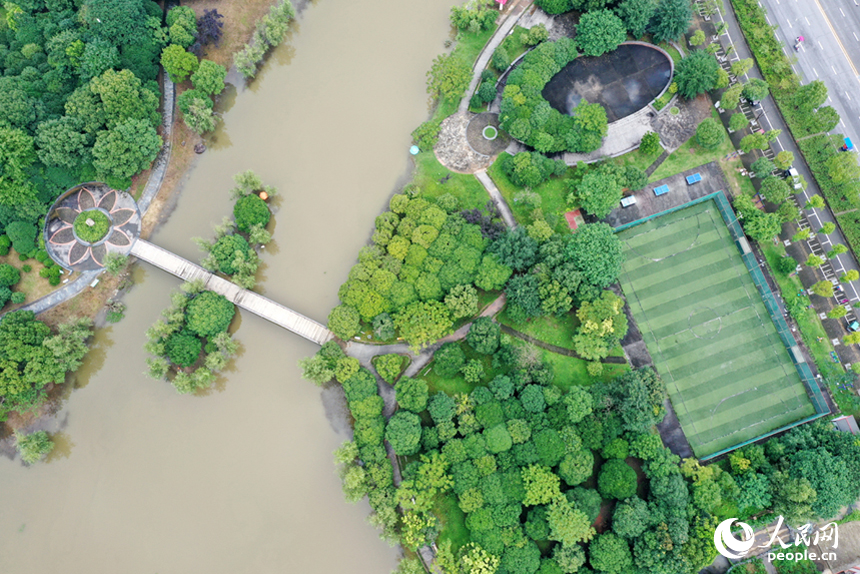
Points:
x=528, y=117
x=190, y=345
x=421, y=252
x=271, y=30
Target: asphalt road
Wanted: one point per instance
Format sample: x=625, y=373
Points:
x=769, y=117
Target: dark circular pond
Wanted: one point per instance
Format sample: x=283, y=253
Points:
x=623, y=81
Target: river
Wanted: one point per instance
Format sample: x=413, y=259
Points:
x=240, y=480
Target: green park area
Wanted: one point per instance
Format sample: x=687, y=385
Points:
x=728, y=374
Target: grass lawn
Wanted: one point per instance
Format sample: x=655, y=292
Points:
x=457, y=384
x=513, y=43
x=453, y=522
x=553, y=195
x=429, y=172
x=691, y=155
x=728, y=374
x=31, y=284
x=676, y=55
x=556, y=331
x=636, y=159
x=569, y=371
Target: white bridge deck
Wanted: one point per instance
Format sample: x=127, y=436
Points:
x=248, y=300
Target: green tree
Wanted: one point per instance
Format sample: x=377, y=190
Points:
x=344, y=321
x=793, y=497
x=462, y=301
x=698, y=38
x=814, y=261
x=183, y=348
x=815, y=202
x=126, y=150
x=411, y=394
x=61, y=142
x=209, y=77
x=616, y=480
x=732, y=97
x=576, y=467
x=827, y=228
x=635, y=14
x=448, y=360
x=598, y=193
x=776, y=190
x=389, y=367
x=753, y=141
x=837, y=313
x=541, y=484
x=423, y=322
x=9, y=275
x=316, y=369
x=741, y=67
x=631, y=518
x=250, y=211
x=117, y=21
x=596, y=253
x=850, y=275
x=756, y=90
x=710, y=134
x=823, y=289
x=181, y=25
x=34, y=446
x=403, y=432
x=602, y=324
x=209, y=314
x=762, y=167
x=448, y=78
x=650, y=143
x=738, y=121
x=788, y=212
x=671, y=19
x=697, y=73
x=610, y=553
x=178, y=63
x=784, y=159
x=598, y=32
x=567, y=523
x=843, y=168
x=121, y=97
x=483, y=335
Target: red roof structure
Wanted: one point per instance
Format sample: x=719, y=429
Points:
x=574, y=219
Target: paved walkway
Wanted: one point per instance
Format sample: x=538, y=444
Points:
x=248, y=300
x=497, y=197
x=484, y=58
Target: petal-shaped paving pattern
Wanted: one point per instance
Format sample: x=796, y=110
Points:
x=78, y=253
x=119, y=239
x=67, y=214
x=63, y=236
x=107, y=202
x=98, y=252
x=85, y=199
x=71, y=252
x=121, y=216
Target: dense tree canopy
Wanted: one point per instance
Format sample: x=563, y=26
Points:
x=209, y=314
x=598, y=32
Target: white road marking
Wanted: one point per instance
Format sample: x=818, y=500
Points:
x=840, y=11
x=855, y=36
x=807, y=21
x=847, y=96
x=789, y=25
x=832, y=67
x=816, y=72
x=820, y=44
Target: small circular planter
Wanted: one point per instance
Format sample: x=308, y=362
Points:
x=674, y=110
x=91, y=226
x=490, y=133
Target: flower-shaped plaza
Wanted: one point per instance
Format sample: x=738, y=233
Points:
x=89, y=221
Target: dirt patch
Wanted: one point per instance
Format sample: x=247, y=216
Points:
x=675, y=129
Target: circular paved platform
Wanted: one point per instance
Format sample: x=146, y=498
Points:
x=623, y=81
x=476, y=139
x=70, y=251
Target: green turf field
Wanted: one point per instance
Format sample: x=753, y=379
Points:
x=728, y=374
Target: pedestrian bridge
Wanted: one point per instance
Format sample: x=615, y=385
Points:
x=243, y=298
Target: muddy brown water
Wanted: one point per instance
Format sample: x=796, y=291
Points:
x=240, y=480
